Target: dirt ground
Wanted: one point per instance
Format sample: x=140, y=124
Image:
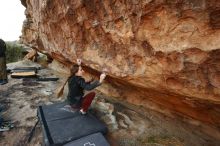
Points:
x=128, y=125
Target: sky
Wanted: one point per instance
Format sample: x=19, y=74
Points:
x=11, y=19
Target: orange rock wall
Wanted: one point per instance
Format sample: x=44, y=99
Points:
x=161, y=54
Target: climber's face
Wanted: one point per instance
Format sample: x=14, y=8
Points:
x=80, y=71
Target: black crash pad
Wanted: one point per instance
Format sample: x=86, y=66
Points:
x=96, y=139
x=40, y=79
x=25, y=69
x=55, y=111
x=61, y=126
x=46, y=79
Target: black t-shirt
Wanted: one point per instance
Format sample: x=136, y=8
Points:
x=2, y=48
x=77, y=85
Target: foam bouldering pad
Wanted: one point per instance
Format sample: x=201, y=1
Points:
x=61, y=126
x=56, y=111
x=46, y=79
x=23, y=74
x=96, y=139
x=25, y=69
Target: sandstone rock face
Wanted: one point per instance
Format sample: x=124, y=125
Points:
x=161, y=54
